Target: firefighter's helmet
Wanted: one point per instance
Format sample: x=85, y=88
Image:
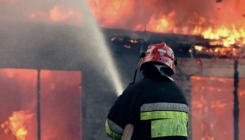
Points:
x=159, y=54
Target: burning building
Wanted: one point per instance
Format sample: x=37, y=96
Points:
x=58, y=60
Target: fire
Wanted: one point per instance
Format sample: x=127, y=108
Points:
x=164, y=24
x=212, y=98
x=221, y=51
x=223, y=22
x=56, y=14
x=227, y=36
x=16, y=125
x=110, y=11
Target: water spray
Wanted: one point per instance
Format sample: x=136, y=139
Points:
x=102, y=51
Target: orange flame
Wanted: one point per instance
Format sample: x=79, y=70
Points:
x=223, y=21
x=16, y=124
x=56, y=14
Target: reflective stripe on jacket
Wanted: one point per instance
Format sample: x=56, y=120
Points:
x=113, y=130
x=156, y=107
x=167, y=119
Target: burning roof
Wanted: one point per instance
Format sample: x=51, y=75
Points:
x=220, y=23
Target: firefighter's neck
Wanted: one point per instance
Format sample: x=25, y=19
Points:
x=162, y=69
x=154, y=72
x=151, y=72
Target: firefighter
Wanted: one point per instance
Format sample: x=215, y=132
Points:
x=153, y=108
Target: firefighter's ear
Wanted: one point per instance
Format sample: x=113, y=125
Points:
x=175, y=62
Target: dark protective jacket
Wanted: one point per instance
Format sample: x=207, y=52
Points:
x=155, y=106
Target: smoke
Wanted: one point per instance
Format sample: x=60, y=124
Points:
x=34, y=34
x=127, y=14
x=41, y=11
x=18, y=16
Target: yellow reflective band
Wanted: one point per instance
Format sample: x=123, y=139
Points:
x=163, y=115
x=114, y=127
x=111, y=133
x=168, y=127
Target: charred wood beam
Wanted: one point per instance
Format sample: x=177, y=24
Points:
x=152, y=37
x=127, y=41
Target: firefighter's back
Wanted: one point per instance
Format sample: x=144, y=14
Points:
x=160, y=110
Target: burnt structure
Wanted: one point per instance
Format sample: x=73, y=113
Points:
x=60, y=47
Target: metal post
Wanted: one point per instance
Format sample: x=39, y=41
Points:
x=236, y=101
x=82, y=106
x=38, y=107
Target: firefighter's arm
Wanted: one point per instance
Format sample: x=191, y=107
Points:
x=118, y=118
x=115, y=120
x=128, y=132
x=113, y=130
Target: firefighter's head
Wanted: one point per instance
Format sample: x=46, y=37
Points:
x=160, y=56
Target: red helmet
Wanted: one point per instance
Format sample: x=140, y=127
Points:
x=160, y=53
